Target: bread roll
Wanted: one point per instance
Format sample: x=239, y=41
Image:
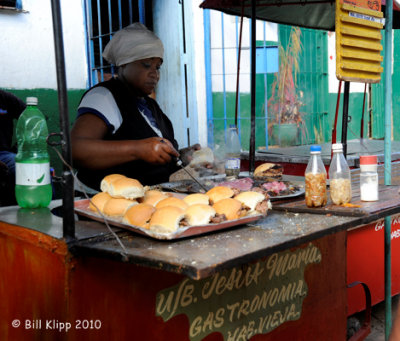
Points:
x=166, y=219
x=196, y=198
x=172, y=201
x=139, y=215
x=199, y=214
x=99, y=200
x=107, y=180
x=126, y=188
x=231, y=208
x=218, y=193
x=116, y=207
x=153, y=197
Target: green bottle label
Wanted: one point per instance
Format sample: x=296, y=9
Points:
x=32, y=174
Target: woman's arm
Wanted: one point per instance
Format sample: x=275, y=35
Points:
x=90, y=150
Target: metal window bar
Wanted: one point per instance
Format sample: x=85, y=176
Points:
x=263, y=119
x=114, y=14
x=265, y=87
x=223, y=70
x=100, y=40
x=207, y=66
x=237, y=28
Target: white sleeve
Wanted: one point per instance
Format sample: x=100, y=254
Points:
x=100, y=102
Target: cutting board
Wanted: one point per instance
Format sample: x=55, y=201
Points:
x=388, y=197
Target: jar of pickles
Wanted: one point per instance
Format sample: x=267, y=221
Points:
x=315, y=178
x=339, y=177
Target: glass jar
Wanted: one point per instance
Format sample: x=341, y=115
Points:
x=339, y=177
x=315, y=179
x=369, y=180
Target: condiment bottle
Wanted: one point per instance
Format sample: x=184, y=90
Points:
x=233, y=149
x=315, y=178
x=369, y=181
x=32, y=166
x=339, y=177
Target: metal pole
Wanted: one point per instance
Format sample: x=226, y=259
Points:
x=68, y=181
x=388, y=92
x=345, y=116
x=388, y=165
x=253, y=88
x=207, y=62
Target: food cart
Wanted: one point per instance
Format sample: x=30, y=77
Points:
x=277, y=278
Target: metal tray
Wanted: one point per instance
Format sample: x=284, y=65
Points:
x=190, y=186
x=82, y=209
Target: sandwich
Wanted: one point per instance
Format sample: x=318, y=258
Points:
x=196, y=198
x=98, y=201
x=218, y=193
x=231, y=208
x=125, y=188
x=268, y=170
x=166, y=219
x=139, y=215
x=172, y=201
x=254, y=202
x=199, y=214
x=153, y=197
x=107, y=180
x=116, y=207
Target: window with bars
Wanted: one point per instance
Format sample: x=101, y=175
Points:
x=104, y=18
x=11, y=4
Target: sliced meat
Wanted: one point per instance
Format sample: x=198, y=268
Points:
x=275, y=186
x=244, y=184
x=183, y=222
x=262, y=207
x=219, y=218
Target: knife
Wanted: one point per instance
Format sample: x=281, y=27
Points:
x=179, y=163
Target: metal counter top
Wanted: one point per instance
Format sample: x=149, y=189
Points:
x=194, y=257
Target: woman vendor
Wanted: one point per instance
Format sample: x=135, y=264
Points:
x=119, y=128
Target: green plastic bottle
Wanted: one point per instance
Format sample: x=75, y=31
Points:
x=32, y=166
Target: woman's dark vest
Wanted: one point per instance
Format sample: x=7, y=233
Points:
x=133, y=127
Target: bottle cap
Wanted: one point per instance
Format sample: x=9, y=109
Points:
x=368, y=159
x=315, y=148
x=31, y=101
x=337, y=147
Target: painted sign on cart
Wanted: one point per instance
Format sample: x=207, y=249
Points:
x=243, y=301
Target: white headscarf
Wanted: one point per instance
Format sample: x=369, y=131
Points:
x=134, y=42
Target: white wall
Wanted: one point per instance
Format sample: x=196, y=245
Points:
x=230, y=43
x=27, y=46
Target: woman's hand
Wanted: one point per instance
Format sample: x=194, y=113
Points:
x=186, y=153
x=157, y=150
